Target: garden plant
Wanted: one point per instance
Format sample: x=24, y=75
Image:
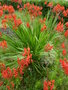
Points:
x=33, y=46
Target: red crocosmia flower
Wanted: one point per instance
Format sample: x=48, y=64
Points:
x=63, y=45
x=48, y=47
x=4, y=74
x=15, y=73
x=43, y=28
x=28, y=25
x=14, y=16
x=45, y=3
x=5, y=7
x=10, y=9
x=21, y=70
x=4, y=21
x=5, y=17
x=45, y=87
x=17, y=23
x=49, y=84
x=18, y=6
x=64, y=52
x=3, y=44
x=65, y=13
x=42, y=20
x=66, y=33
x=1, y=83
x=58, y=8
x=33, y=9
x=50, y=5
x=62, y=19
x=1, y=13
x=64, y=64
x=12, y=84
x=66, y=24
x=8, y=87
x=9, y=72
x=60, y=27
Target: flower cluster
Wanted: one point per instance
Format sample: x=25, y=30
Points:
x=48, y=84
x=64, y=64
x=60, y=27
x=33, y=9
x=43, y=28
x=9, y=17
x=8, y=74
x=3, y=44
x=64, y=49
x=58, y=9
x=48, y=47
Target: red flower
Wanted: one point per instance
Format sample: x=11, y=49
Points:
x=9, y=72
x=8, y=87
x=12, y=84
x=48, y=47
x=3, y=44
x=1, y=13
x=50, y=5
x=18, y=6
x=60, y=27
x=45, y=3
x=64, y=52
x=5, y=74
x=66, y=33
x=1, y=83
x=64, y=64
x=65, y=13
x=5, y=7
x=45, y=87
x=15, y=73
x=28, y=25
x=10, y=9
x=58, y=8
x=66, y=24
x=63, y=45
x=48, y=84
x=43, y=28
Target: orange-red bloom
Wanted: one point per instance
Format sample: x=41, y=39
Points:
x=3, y=44
x=28, y=25
x=63, y=45
x=66, y=33
x=49, y=84
x=11, y=9
x=65, y=13
x=1, y=13
x=43, y=28
x=66, y=24
x=64, y=52
x=1, y=83
x=60, y=27
x=50, y=5
x=48, y=47
x=64, y=64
